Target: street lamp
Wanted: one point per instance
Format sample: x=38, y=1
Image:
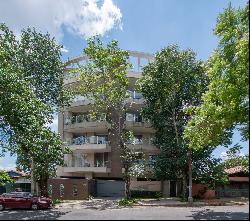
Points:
x=190, y=198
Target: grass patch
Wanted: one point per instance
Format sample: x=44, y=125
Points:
x=127, y=202
x=56, y=201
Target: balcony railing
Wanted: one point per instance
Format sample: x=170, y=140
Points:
x=79, y=163
x=88, y=140
x=87, y=118
x=84, y=118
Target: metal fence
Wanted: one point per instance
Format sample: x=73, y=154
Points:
x=232, y=192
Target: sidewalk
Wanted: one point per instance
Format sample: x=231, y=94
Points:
x=176, y=202
x=110, y=203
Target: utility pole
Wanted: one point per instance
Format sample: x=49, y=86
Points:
x=190, y=198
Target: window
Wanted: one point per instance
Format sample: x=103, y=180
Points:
x=137, y=95
x=102, y=139
x=75, y=190
x=79, y=140
x=50, y=189
x=61, y=190
x=138, y=118
x=138, y=139
x=152, y=160
x=129, y=117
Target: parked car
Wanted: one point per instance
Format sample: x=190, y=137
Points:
x=24, y=200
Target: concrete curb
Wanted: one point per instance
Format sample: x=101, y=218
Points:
x=193, y=205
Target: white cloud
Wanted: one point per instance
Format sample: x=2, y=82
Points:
x=224, y=155
x=82, y=17
x=64, y=49
x=7, y=164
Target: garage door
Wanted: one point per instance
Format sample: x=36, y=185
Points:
x=107, y=188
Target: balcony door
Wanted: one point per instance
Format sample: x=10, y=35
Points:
x=101, y=159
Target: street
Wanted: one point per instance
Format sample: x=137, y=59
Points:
x=135, y=213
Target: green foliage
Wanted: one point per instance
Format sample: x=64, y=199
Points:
x=5, y=178
x=172, y=82
x=234, y=159
x=56, y=201
x=103, y=77
x=208, y=170
x=39, y=56
x=225, y=104
x=30, y=91
x=145, y=194
x=103, y=81
x=127, y=202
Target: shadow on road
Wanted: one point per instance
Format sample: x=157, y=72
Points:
x=210, y=214
x=20, y=214
x=102, y=203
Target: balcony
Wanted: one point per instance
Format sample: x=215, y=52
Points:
x=84, y=123
x=94, y=126
x=139, y=126
x=80, y=101
x=142, y=145
x=79, y=166
x=92, y=144
x=70, y=78
x=132, y=101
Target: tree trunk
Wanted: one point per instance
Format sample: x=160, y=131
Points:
x=43, y=186
x=175, y=127
x=184, y=186
x=127, y=184
x=33, y=181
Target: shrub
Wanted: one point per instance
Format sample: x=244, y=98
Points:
x=127, y=202
x=146, y=194
x=56, y=201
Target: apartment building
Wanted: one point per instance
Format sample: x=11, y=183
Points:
x=92, y=157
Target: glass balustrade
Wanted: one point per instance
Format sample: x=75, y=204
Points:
x=81, y=140
x=83, y=161
x=80, y=118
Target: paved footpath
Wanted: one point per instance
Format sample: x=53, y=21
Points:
x=240, y=212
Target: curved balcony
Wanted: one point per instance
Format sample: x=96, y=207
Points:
x=83, y=127
x=137, y=59
x=139, y=127
x=80, y=166
x=143, y=145
x=92, y=144
x=91, y=148
x=86, y=169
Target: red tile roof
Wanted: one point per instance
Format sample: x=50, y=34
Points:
x=233, y=170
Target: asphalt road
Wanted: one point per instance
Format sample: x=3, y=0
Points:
x=136, y=213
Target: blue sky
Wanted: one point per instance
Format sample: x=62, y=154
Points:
x=140, y=25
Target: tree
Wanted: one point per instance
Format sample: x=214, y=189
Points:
x=4, y=178
x=234, y=159
x=225, y=105
x=103, y=81
x=207, y=169
x=25, y=108
x=172, y=82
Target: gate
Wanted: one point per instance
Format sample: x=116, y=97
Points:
x=110, y=188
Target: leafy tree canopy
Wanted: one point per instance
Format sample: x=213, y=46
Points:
x=5, y=178
x=225, y=105
x=174, y=81
x=30, y=91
